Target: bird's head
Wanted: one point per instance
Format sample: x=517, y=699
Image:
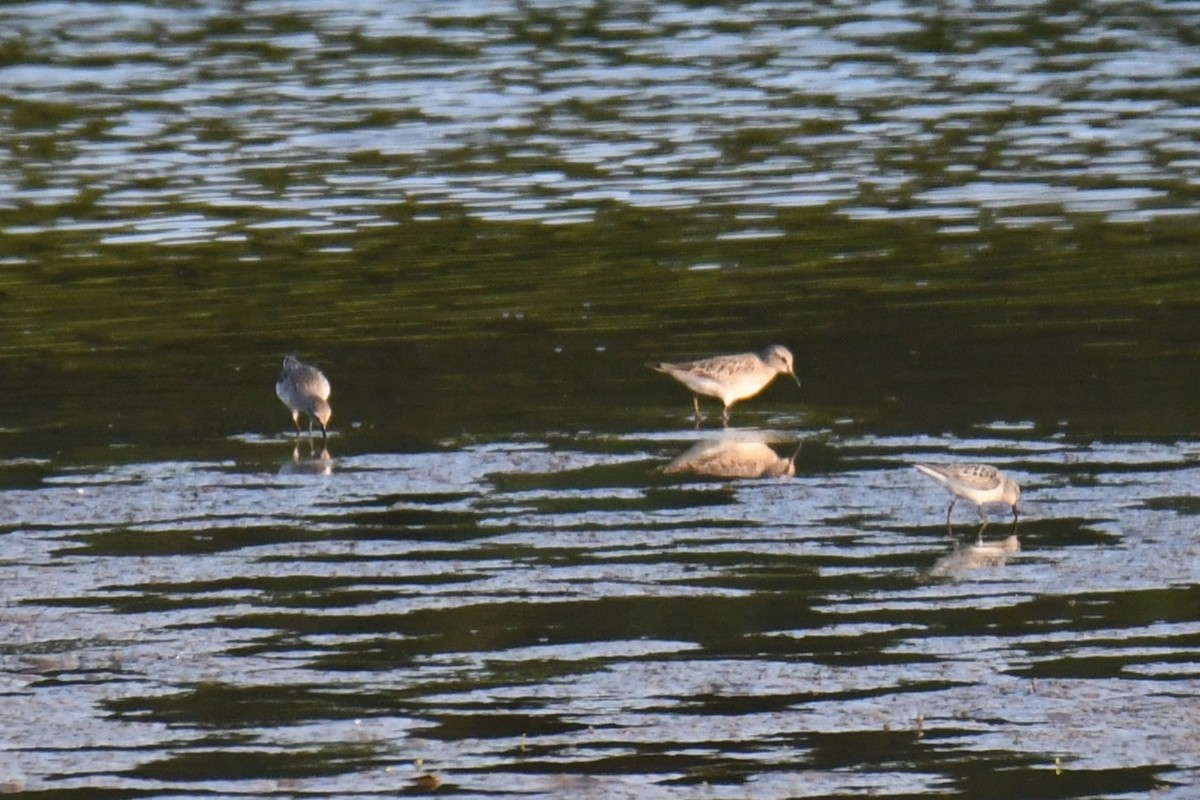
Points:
x=780, y=358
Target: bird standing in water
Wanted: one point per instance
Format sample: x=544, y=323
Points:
x=730, y=378
x=305, y=390
x=979, y=483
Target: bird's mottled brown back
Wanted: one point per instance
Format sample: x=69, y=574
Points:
x=978, y=476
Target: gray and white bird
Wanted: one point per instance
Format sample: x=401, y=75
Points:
x=730, y=378
x=305, y=390
x=979, y=483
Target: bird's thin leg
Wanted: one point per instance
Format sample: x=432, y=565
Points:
x=1014, y=509
x=324, y=435
x=953, y=500
x=725, y=417
x=296, y=422
x=983, y=516
x=696, y=405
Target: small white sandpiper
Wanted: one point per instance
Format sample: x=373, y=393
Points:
x=979, y=483
x=730, y=378
x=304, y=390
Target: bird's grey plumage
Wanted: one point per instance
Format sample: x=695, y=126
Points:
x=304, y=389
x=979, y=483
x=730, y=378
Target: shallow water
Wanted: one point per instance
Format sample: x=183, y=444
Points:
x=518, y=568
x=564, y=616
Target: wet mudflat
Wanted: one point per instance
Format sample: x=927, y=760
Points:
x=519, y=569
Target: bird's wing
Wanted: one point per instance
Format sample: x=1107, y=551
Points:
x=975, y=476
x=720, y=368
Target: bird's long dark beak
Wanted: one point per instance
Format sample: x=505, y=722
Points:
x=795, y=378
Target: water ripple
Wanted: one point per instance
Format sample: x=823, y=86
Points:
x=658, y=100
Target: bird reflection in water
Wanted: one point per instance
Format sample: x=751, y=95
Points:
x=980, y=555
x=733, y=458
x=311, y=464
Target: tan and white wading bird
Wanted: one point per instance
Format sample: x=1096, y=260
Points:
x=305, y=390
x=979, y=483
x=730, y=378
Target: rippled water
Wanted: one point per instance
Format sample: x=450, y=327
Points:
x=568, y=616
x=518, y=569
x=321, y=119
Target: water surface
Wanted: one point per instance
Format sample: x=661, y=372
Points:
x=517, y=568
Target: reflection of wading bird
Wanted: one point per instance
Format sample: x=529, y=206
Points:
x=319, y=464
x=304, y=390
x=730, y=378
x=723, y=459
x=975, y=556
x=979, y=483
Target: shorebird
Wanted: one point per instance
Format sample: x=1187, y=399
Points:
x=730, y=378
x=979, y=483
x=304, y=390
